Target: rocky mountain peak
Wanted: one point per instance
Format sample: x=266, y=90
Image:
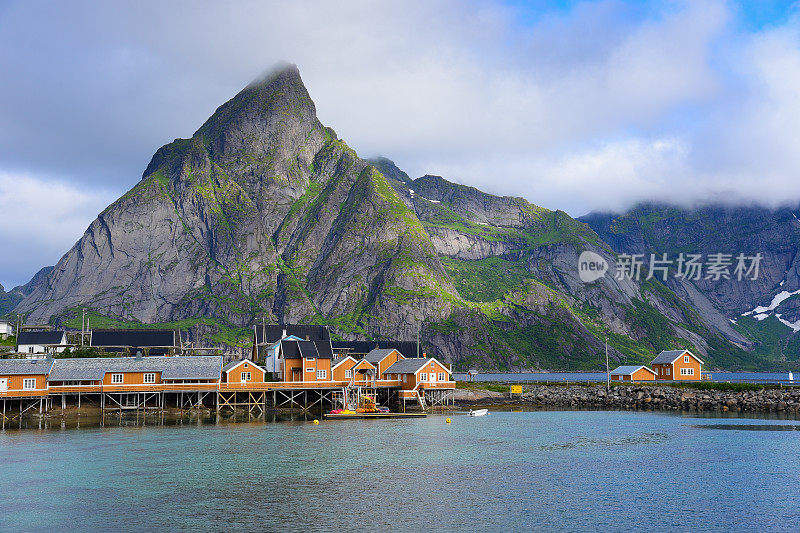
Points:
x=272, y=107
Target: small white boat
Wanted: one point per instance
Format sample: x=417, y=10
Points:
x=478, y=412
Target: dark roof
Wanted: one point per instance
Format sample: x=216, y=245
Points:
x=9, y=367
x=272, y=333
x=378, y=354
x=40, y=337
x=407, y=366
x=406, y=348
x=135, y=338
x=93, y=369
x=667, y=357
x=300, y=349
x=308, y=349
x=629, y=370
x=234, y=364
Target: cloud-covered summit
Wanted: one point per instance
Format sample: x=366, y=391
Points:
x=590, y=105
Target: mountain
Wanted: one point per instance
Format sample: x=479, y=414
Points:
x=10, y=299
x=761, y=313
x=264, y=214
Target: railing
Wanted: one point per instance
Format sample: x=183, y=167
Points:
x=438, y=385
x=19, y=393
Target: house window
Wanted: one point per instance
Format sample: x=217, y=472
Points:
x=150, y=378
x=30, y=349
x=405, y=378
x=245, y=365
x=309, y=369
x=668, y=371
x=685, y=358
x=116, y=378
x=246, y=376
x=29, y=383
x=442, y=376
x=687, y=371
x=423, y=376
x=348, y=374
x=322, y=373
x=309, y=359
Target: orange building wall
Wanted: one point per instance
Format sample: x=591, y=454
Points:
x=235, y=375
x=411, y=379
x=675, y=370
x=131, y=378
x=660, y=371
x=639, y=375
x=693, y=363
x=338, y=372
x=317, y=364
x=15, y=381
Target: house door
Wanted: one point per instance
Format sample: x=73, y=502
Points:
x=3, y=384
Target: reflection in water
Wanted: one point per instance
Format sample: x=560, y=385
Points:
x=750, y=427
x=129, y=419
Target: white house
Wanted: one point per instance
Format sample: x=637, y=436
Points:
x=6, y=329
x=41, y=342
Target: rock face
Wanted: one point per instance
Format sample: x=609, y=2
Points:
x=262, y=212
x=773, y=233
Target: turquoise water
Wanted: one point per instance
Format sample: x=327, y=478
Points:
x=533, y=470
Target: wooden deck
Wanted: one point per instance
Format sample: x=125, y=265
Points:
x=357, y=416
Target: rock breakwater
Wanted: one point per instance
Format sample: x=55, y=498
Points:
x=641, y=397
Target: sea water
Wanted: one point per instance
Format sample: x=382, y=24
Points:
x=529, y=470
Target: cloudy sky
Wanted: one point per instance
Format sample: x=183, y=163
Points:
x=574, y=105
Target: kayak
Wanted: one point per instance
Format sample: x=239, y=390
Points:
x=478, y=412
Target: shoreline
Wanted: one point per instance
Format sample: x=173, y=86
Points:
x=638, y=397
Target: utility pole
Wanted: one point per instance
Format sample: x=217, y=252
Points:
x=83, y=324
x=19, y=324
x=608, y=374
x=417, y=340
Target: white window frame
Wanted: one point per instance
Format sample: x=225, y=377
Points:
x=442, y=376
x=29, y=384
x=405, y=378
x=322, y=373
x=247, y=376
x=309, y=370
x=423, y=376
x=309, y=359
x=116, y=381
x=685, y=358
x=150, y=377
x=669, y=370
x=348, y=374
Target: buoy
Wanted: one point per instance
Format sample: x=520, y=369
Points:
x=316, y=422
x=448, y=420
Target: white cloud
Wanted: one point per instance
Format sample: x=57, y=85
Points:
x=41, y=218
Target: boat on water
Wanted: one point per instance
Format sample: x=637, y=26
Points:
x=478, y=412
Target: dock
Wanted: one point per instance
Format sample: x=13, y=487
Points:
x=361, y=416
